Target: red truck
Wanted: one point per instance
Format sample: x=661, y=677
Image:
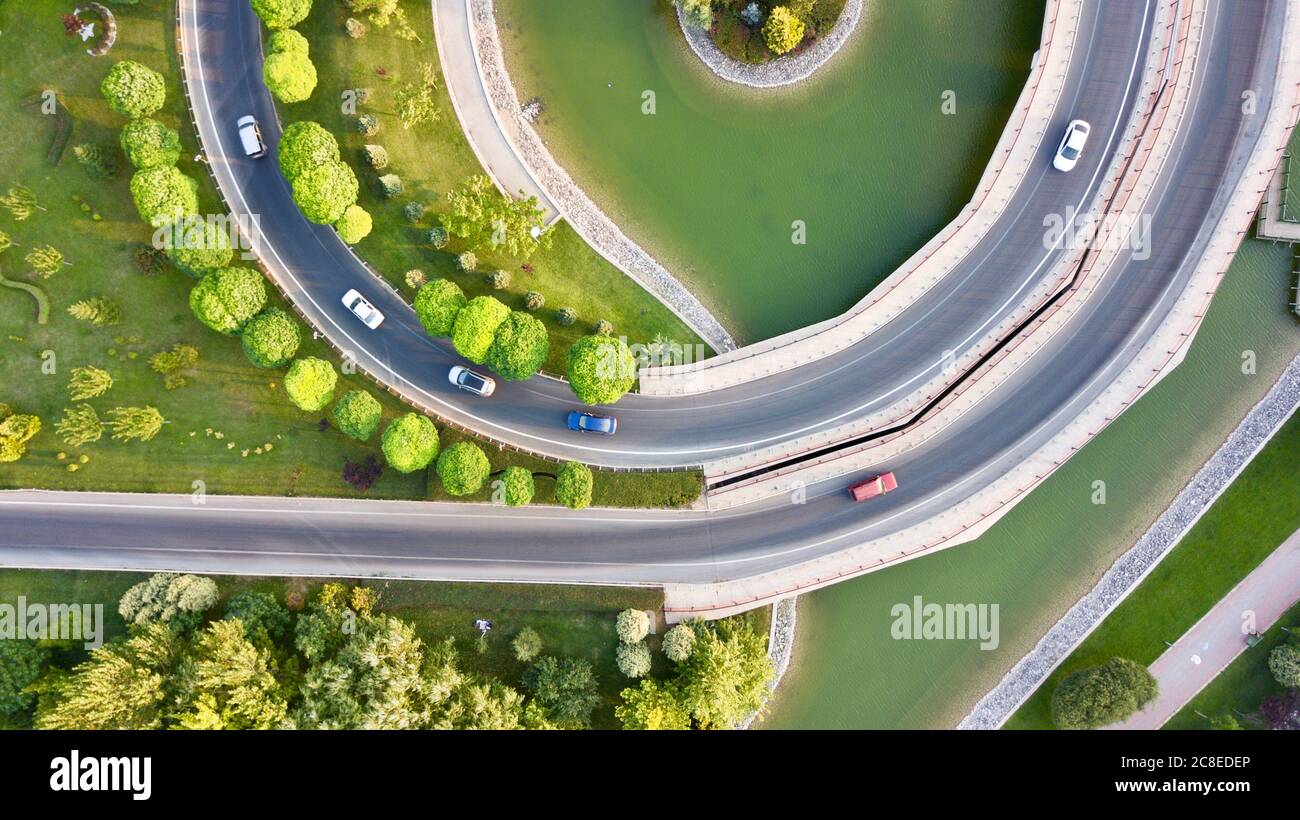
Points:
x=874, y=486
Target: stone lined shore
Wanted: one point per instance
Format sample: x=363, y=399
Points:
x=1228, y=461
x=782, y=71
x=780, y=645
x=582, y=214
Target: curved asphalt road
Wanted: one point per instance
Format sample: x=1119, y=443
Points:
x=223, y=62
x=455, y=541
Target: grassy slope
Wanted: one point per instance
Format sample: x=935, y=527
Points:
x=433, y=159
x=1243, y=684
x=1258, y=512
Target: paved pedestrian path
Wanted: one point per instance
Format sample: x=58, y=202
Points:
x=1218, y=638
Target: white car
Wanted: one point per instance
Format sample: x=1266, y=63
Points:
x=250, y=136
x=362, y=309
x=1076, y=135
x=468, y=380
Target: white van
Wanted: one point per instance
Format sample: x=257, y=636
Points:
x=251, y=137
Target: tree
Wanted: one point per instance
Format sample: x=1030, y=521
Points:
x=697, y=13
x=410, y=442
x=281, y=14
x=782, y=31
x=227, y=682
x=271, y=338
x=601, y=369
x=476, y=325
x=632, y=625
x=168, y=598
x=20, y=202
x=133, y=89
x=633, y=659
x=437, y=304
x=289, y=75
x=288, y=40
x=527, y=644
x=121, y=685
x=517, y=486
x=726, y=677
x=415, y=103
x=148, y=143
x=21, y=664
x=164, y=194
x=305, y=145
x=79, y=426
x=379, y=10
x=354, y=225
x=325, y=191
x=463, y=468
x=679, y=642
x=227, y=298
x=197, y=245
x=1098, y=696
x=97, y=161
x=310, y=383
x=653, y=705
x=88, y=382
x=135, y=423
x=265, y=619
x=45, y=260
x=565, y=688
x=98, y=311
x=520, y=347
x=1225, y=723
x=573, y=485
x=357, y=415
x=1284, y=663
x=484, y=218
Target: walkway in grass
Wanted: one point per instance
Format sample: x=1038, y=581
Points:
x=42, y=301
x=1216, y=640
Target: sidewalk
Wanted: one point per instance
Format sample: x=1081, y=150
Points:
x=1217, y=639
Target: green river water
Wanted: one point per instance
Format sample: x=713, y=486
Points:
x=865, y=157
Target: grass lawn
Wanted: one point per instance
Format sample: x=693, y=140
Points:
x=741, y=42
x=1291, y=198
x=573, y=621
x=431, y=160
x=1258, y=512
x=228, y=409
x=1243, y=685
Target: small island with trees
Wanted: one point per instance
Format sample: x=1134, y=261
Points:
x=759, y=31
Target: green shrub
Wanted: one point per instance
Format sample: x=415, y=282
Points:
x=354, y=225
x=603, y=328
x=414, y=211
x=367, y=125
x=281, y=14
x=633, y=659
x=357, y=414
x=309, y=384
x=226, y=298
x=476, y=325
x=288, y=41
x=1099, y=696
x=289, y=75
x=133, y=89
x=391, y=185
x=197, y=246
x=466, y=261
x=573, y=485
x=534, y=300
x=325, y=191
x=527, y=644
x=782, y=31
x=519, y=347
x=415, y=279
x=438, y=237
x=679, y=642
x=164, y=194
x=305, y=145
x=437, y=304
x=499, y=279
x=517, y=486
x=271, y=338
x=410, y=442
x=463, y=468
x=148, y=143
x=601, y=369
x=632, y=625
x=566, y=316
x=376, y=156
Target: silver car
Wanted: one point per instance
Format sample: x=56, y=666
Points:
x=472, y=382
x=363, y=310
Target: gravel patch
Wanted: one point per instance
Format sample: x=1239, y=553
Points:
x=786, y=70
x=780, y=645
x=586, y=218
x=1228, y=461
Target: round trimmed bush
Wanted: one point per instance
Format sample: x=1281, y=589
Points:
x=148, y=143
x=305, y=145
x=376, y=156
x=438, y=237
x=414, y=211
x=410, y=442
x=463, y=468
x=391, y=185
x=520, y=347
x=633, y=659
x=133, y=89
x=437, y=304
x=290, y=75
x=603, y=328
x=227, y=298
x=466, y=261
x=679, y=643
x=601, y=369
x=281, y=14
x=573, y=485
x=197, y=245
x=288, y=41
x=367, y=124
x=324, y=192
x=632, y=625
x=534, y=300
x=310, y=383
x=164, y=194
x=566, y=316
x=354, y=225
x=271, y=338
x=415, y=278
x=517, y=486
x=357, y=414
x=499, y=279
x=476, y=325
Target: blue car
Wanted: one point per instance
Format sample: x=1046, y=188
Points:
x=592, y=423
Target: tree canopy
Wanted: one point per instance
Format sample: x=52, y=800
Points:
x=1097, y=696
x=271, y=338
x=410, y=443
x=310, y=383
x=133, y=89
x=357, y=415
x=436, y=305
x=227, y=298
x=463, y=468
x=601, y=369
